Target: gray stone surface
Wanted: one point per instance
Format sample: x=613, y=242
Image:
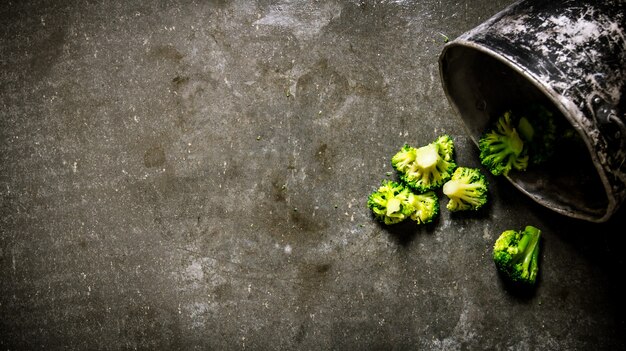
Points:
x=193, y=175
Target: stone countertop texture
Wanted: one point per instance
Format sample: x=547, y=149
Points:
x=193, y=175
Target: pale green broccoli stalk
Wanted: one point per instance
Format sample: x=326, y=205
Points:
x=426, y=207
x=538, y=129
x=390, y=203
x=467, y=190
x=516, y=255
x=502, y=149
x=427, y=167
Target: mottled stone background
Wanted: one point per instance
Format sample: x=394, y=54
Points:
x=193, y=175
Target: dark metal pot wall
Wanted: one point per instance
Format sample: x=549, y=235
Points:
x=567, y=54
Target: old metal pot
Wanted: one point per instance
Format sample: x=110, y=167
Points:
x=570, y=56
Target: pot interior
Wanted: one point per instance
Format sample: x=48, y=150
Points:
x=482, y=87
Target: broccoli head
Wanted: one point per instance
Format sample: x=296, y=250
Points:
x=390, y=203
x=502, y=149
x=467, y=190
x=393, y=203
x=516, y=255
x=426, y=207
x=427, y=167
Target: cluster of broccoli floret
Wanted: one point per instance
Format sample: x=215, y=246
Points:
x=516, y=141
x=427, y=167
x=519, y=140
x=421, y=172
x=394, y=202
x=467, y=190
x=516, y=255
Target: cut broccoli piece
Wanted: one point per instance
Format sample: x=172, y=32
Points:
x=538, y=129
x=390, y=203
x=426, y=207
x=393, y=203
x=467, y=190
x=427, y=167
x=516, y=255
x=502, y=149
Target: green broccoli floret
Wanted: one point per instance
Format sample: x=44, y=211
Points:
x=516, y=255
x=426, y=207
x=393, y=203
x=427, y=167
x=390, y=203
x=502, y=149
x=467, y=190
x=538, y=129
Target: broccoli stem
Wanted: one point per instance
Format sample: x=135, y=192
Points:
x=534, y=263
x=427, y=156
x=393, y=205
x=521, y=248
x=516, y=144
x=526, y=245
x=526, y=129
x=530, y=250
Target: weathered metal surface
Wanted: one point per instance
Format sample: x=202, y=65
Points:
x=572, y=52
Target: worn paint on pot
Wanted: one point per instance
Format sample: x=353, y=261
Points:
x=570, y=56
